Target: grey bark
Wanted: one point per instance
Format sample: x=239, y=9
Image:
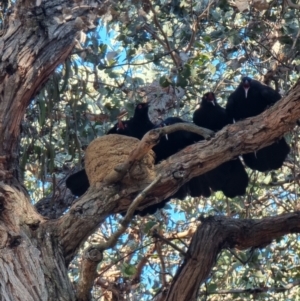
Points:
x=35, y=252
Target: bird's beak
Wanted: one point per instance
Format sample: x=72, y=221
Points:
x=246, y=92
x=213, y=102
x=120, y=125
x=166, y=135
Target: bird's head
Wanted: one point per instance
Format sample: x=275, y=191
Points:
x=209, y=98
x=246, y=83
x=141, y=109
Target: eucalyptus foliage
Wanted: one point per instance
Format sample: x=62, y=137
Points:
x=169, y=53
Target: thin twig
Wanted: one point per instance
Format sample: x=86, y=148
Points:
x=111, y=242
x=176, y=59
x=156, y=235
x=195, y=27
x=162, y=262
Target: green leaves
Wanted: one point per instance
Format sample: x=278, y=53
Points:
x=187, y=48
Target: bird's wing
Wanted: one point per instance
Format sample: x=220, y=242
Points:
x=270, y=95
x=230, y=107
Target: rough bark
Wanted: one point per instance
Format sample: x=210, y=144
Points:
x=35, y=252
x=218, y=233
x=32, y=265
x=54, y=205
x=88, y=272
x=37, y=37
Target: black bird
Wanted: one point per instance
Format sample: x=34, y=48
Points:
x=210, y=115
x=137, y=126
x=250, y=99
x=78, y=183
x=172, y=144
x=121, y=128
x=229, y=177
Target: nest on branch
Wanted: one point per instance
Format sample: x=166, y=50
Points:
x=105, y=153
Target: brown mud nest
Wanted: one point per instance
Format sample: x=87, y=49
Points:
x=105, y=153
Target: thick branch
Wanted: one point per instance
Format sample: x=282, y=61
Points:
x=88, y=272
x=217, y=233
x=148, y=142
x=241, y=137
x=256, y=290
x=37, y=38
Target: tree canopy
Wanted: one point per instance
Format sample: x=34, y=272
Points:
x=68, y=69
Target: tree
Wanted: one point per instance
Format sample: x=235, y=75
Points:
x=61, y=86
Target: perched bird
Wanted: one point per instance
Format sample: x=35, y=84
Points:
x=137, y=126
x=250, y=99
x=173, y=143
x=229, y=177
x=121, y=128
x=210, y=115
x=78, y=183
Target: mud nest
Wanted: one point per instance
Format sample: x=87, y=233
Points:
x=105, y=153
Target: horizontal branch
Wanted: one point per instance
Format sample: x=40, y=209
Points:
x=241, y=137
x=292, y=5
x=218, y=233
x=256, y=290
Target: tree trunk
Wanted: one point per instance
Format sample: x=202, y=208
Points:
x=37, y=37
x=31, y=260
x=35, y=252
